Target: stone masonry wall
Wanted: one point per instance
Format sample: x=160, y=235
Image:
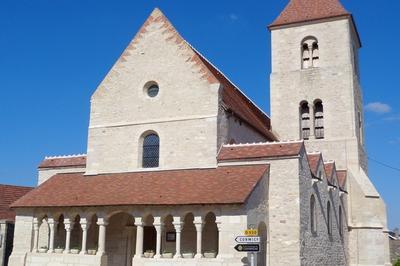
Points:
x=121, y=110
x=394, y=250
x=3, y=236
x=319, y=247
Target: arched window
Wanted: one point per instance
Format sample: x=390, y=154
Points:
x=310, y=53
x=151, y=151
x=305, y=120
x=313, y=215
x=319, y=119
x=340, y=221
x=329, y=218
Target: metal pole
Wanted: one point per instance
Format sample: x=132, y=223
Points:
x=253, y=259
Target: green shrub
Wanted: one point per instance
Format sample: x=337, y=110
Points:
x=397, y=263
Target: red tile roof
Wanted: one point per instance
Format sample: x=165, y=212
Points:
x=68, y=161
x=238, y=103
x=313, y=160
x=9, y=194
x=222, y=185
x=308, y=10
x=329, y=169
x=259, y=151
x=342, y=177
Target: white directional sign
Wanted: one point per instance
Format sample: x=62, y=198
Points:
x=247, y=239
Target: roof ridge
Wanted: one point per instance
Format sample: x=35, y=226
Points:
x=229, y=80
x=65, y=156
x=262, y=143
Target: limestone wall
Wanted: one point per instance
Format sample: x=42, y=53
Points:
x=3, y=237
x=184, y=113
x=45, y=173
x=23, y=239
x=394, y=250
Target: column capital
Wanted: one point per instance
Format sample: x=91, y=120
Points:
x=139, y=221
x=102, y=221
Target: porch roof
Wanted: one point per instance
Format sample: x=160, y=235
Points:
x=221, y=185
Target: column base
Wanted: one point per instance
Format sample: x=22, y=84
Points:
x=177, y=256
x=157, y=256
x=83, y=252
x=50, y=251
x=198, y=256
x=66, y=252
x=138, y=256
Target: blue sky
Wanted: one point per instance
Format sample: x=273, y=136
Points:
x=53, y=54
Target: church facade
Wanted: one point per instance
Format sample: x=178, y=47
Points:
x=180, y=161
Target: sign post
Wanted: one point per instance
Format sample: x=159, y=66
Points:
x=249, y=243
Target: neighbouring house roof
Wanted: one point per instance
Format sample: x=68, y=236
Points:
x=342, y=178
x=309, y=10
x=64, y=161
x=9, y=194
x=232, y=152
x=222, y=185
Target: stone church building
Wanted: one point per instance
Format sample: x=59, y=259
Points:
x=180, y=161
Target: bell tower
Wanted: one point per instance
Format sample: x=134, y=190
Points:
x=315, y=91
x=316, y=96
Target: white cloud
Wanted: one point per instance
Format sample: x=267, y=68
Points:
x=378, y=107
x=233, y=16
x=395, y=141
x=392, y=118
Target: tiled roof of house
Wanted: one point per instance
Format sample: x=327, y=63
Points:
x=342, y=178
x=259, y=150
x=308, y=10
x=9, y=194
x=64, y=161
x=222, y=185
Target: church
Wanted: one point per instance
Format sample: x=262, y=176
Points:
x=180, y=161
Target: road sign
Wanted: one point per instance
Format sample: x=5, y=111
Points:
x=251, y=232
x=247, y=239
x=248, y=247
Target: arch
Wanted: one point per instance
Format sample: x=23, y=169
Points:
x=59, y=236
x=210, y=234
x=329, y=218
x=305, y=120
x=188, y=238
x=168, y=245
x=313, y=215
x=150, y=234
x=121, y=238
x=150, y=149
x=76, y=232
x=262, y=255
x=93, y=233
x=319, y=119
x=44, y=232
x=309, y=52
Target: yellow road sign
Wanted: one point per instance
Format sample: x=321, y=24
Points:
x=251, y=232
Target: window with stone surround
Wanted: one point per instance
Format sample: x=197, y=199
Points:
x=310, y=53
x=151, y=151
x=305, y=120
x=313, y=215
x=319, y=119
x=329, y=218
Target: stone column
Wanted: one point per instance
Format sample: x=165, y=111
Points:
x=219, y=226
x=68, y=228
x=178, y=229
x=139, y=237
x=102, y=223
x=52, y=224
x=198, y=223
x=158, y=226
x=36, y=225
x=85, y=226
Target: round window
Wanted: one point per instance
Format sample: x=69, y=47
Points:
x=152, y=91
